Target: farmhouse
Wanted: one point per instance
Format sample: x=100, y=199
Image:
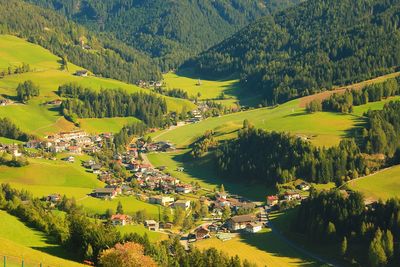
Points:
x=240, y=222
x=253, y=227
x=81, y=73
x=104, y=193
x=202, y=233
x=184, y=204
x=161, y=200
x=291, y=195
x=272, y=200
x=55, y=102
x=151, y=225
x=119, y=219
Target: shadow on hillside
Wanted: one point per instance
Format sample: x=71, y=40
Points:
x=355, y=132
x=204, y=170
x=269, y=242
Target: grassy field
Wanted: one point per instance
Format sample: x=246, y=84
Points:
x=382, y=185
x=43, y=177
x=262, y=248
x=105, y=125
x=35, y=117
x=18, y=241
x=208, y=89
x=140, y=229
x=322, y=128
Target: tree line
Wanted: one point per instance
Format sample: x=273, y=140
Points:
x=9, y=130
x=272, y=157
x=308, y=48
x=344, y=102
x=109, y=103
x=88, y=238
x=366, y=235
x=15, y=70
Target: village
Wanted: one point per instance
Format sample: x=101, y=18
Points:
x=223, y=216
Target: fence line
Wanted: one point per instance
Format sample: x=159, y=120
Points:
x=13, y=261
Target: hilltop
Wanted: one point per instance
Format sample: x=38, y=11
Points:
x=310, y=47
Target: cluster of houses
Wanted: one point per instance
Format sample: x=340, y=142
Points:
x=289, y=195
x=155, y=180
x=150, y=84
x=73, y=142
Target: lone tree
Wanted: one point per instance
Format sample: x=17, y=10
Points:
x=120, y=209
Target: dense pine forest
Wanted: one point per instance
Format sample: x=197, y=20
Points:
x=312, y=46
x=170, y=31
x=110, y=103
x=257, y=156
x=106, y=56
x=368, y=235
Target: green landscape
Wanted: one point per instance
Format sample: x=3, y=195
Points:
x=227, y=133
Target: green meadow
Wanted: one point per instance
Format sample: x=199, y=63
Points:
x=18, y=241
x=208, y=89
x=381, y=185
x=38, y=118
x=105, y=125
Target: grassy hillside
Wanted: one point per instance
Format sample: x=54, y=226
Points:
x=263, y=249
x=18, y=241
x=382, y=185
x=35, y=117
x=322, y=128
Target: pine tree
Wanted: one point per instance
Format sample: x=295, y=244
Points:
x=376, y=254
x=120, y=209
x=343, y=248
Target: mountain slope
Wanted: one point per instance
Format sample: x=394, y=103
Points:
x=166, y=29
x=317, y=44
x=105, y=56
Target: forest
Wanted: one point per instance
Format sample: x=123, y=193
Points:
x=368, y=235
x=271, y=157
x=310, y=47
x=86, y=103
x=170, y=31
x=107, y=56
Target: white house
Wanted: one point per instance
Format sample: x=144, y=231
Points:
x=253, y=227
